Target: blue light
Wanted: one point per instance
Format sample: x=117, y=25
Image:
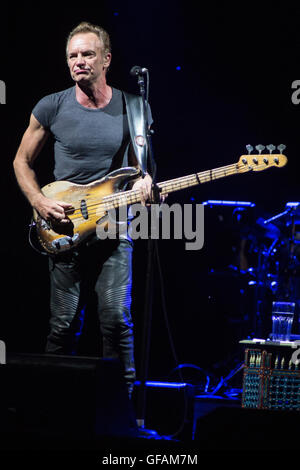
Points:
x=163, y=384
x=213, y=202
x=116, y=13
x=178, y=67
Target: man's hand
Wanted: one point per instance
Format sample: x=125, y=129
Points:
x=144, y=186
x=50, y=210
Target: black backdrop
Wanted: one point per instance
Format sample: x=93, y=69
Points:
x=220, y=78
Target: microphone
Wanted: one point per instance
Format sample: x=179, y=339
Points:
x=137, y=70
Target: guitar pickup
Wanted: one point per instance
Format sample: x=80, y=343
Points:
x=83, y=209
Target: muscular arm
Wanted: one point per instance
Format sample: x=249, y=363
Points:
x=32, y=143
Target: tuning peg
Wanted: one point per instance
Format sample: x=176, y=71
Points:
x=260, y=148
x=271, y=147
x=249, y=148
x=281, y=147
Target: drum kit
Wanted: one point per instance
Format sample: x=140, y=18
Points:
x=277, y=273
x=268, y=262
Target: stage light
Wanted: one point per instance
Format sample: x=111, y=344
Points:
x=212, y=202
x=163, y=384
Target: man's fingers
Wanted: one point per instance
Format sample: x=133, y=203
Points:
x=145, y=192
x=59, y=211
x=65, y=205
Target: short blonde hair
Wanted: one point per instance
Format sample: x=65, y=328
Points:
x=86, y=27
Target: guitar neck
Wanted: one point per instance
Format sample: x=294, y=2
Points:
x=133, y=196
x=197, y=178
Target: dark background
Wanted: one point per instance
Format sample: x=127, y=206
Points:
x=220, y=78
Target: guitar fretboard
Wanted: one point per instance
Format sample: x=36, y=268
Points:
x=125, y=198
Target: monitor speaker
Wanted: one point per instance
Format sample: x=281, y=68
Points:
x=64, y=396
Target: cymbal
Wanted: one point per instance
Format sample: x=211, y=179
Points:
x=270, y=230
x=294, y=207
x=260, y=231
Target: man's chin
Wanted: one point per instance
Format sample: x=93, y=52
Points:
x=81, y=77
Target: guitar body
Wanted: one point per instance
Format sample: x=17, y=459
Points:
x=87, y=213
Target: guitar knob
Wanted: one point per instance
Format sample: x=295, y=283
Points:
x=249, y=148
x=260, y=148
x=271, y=147
x=281, y=147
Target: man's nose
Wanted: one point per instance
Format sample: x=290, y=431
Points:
x=80, y=60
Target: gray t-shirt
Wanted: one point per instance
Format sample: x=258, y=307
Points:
x=89, y=143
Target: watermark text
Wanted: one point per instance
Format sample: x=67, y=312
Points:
x=160, y=221
x=2, y=92
x=2, y=352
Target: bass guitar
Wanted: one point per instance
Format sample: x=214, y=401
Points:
x=91, y=202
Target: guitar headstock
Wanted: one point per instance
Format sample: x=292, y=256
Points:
x=259, y=162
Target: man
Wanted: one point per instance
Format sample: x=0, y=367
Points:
x=90, y=129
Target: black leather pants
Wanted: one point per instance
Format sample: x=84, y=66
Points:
x=106, y=267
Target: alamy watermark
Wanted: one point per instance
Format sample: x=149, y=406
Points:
x=296, y=94
x=296, y=354
x=2, y=352
x=160, y=221
x=2, y=92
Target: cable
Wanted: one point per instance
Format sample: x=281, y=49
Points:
x=224, y=381
x=32, y=224
x=164, y=308
x=193, y=366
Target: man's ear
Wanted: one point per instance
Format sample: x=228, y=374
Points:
x=107, y=60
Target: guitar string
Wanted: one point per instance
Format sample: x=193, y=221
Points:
x=170, y=183
x=168, y=186
x=177, y=182
x=182, y=182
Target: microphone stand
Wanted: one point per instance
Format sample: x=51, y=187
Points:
x=146, y=335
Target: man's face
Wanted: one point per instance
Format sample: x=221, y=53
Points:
x=85, y=58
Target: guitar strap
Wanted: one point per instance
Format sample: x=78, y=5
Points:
x=137, y=128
